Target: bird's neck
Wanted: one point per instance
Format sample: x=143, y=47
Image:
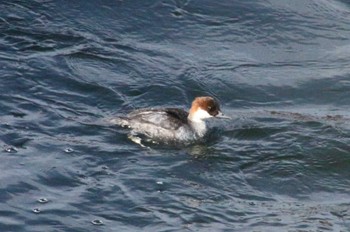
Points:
x=199, y=127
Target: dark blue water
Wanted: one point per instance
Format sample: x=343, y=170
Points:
x=281, y=69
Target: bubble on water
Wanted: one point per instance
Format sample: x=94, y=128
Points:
x=160, y=186
x=68, y=150
x=36, y=210
x=132, y=160
x=9, y=149
x=43, y=200
x=97, y=222
x=177, y=13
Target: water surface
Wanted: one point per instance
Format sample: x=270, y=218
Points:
x=281, y=69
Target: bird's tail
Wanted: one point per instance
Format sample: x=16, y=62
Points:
x=120, y=121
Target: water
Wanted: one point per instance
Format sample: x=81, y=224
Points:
x=281, y=69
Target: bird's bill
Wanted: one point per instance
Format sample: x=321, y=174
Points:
x=221, y=115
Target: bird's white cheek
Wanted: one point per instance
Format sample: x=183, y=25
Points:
x=201, y=114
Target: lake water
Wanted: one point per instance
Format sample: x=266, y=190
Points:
x=281, y=69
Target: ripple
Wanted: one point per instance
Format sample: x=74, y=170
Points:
x=97, y=222
x=9, y=149
x=36, y=210
x=43, y=200
x=68, y=150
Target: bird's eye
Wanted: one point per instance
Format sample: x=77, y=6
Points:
x=211, y=108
